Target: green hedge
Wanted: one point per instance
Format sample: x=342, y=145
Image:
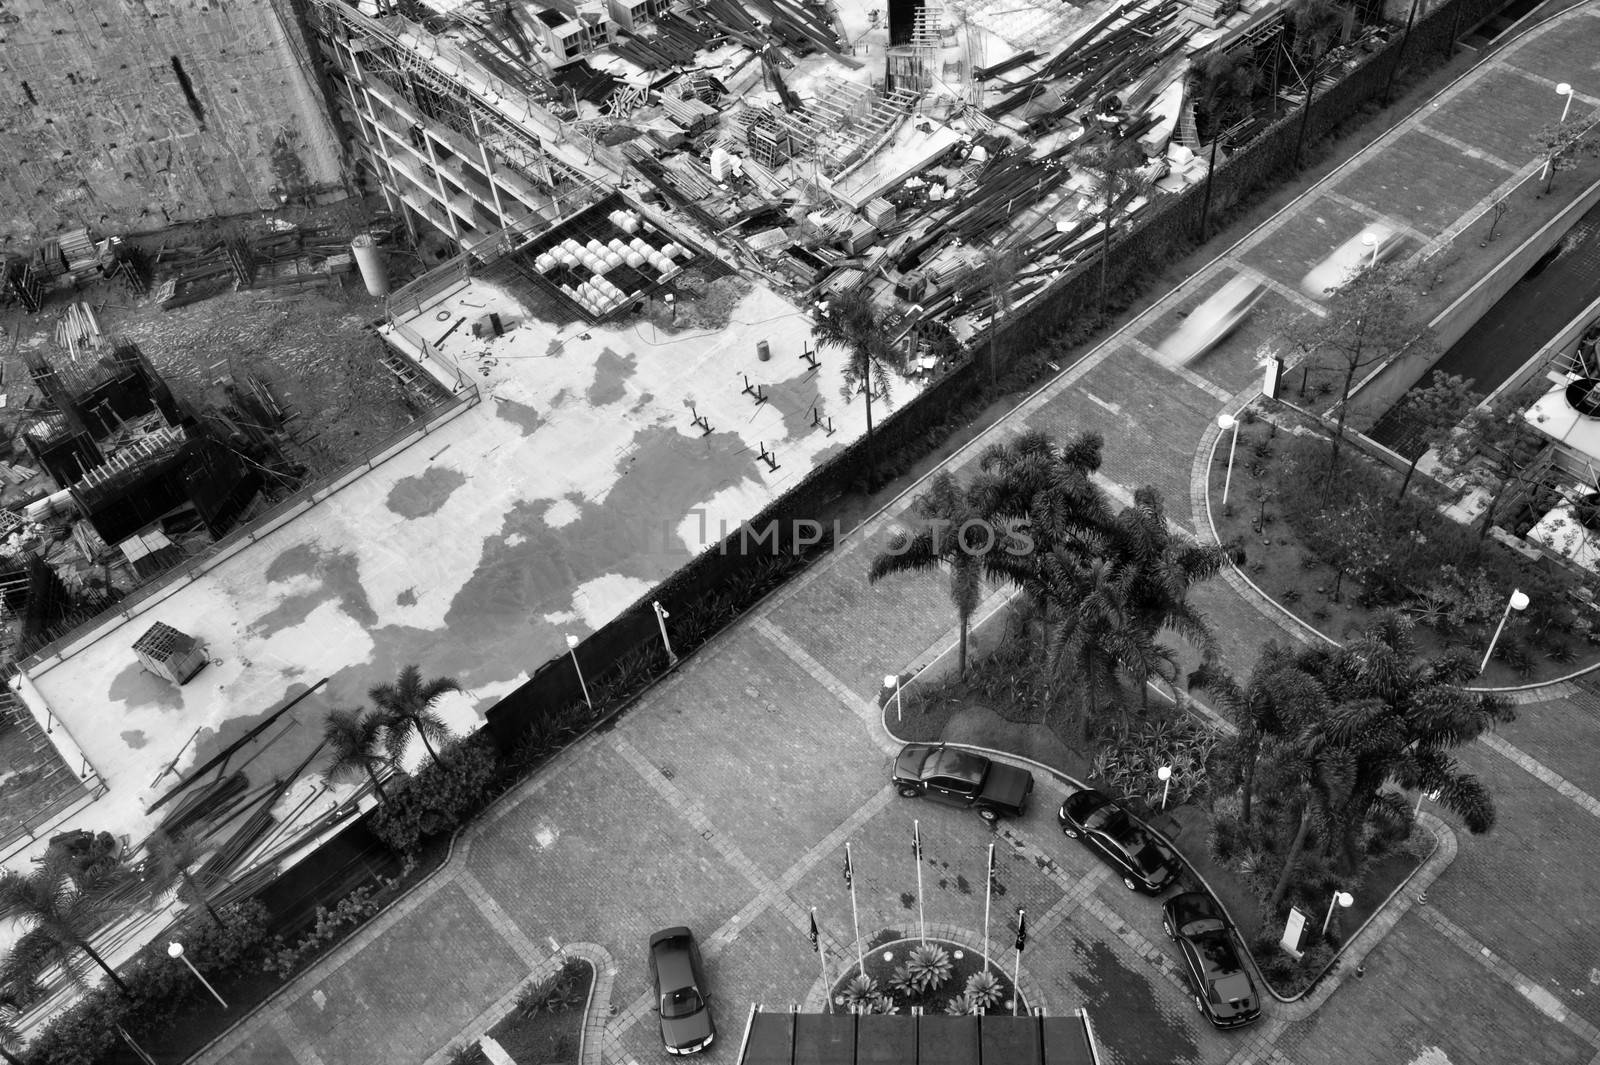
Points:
x=160, y=987
x=439, y=796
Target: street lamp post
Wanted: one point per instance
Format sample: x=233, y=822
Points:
x=1370, y=240
x=1518, y=602
x=572, y=649
x=1342, y=900
x=661, y=620
x=891, y=683
x=175, y=950
x=1164, y=774
x=1550, y=160
x=1226, y=421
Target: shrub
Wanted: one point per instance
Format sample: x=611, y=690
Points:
x=860, y=993
x=1128, y=764
x=559, y=992
x=984, y=990
x=158, y=988
x=439, y=797
x=930, y=967
x=962, y=1006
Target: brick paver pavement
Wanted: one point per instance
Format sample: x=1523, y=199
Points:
x=724, y=799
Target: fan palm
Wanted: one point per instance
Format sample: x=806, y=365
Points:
x=356, y=743
x=59, y=916
x=941, y=542
x=172, y=858
x=853, y=324
x=407, y=706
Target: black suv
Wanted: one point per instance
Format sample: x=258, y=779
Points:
x=681, y=998
x=961, y=778
x=1223, y=990
x=1144, y=862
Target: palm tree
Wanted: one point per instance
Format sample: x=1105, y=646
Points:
x=1227, y=84
x=1318, y=25
x=60, y=917
x=1277, y=694
x=1031, y=484
x=1163, y=565
x=1115, y=170
x=356, y=740
x=852, y=323
x=941, y=543
x=407, y=705
x=9, y=1034
x=1417, y=711
x=173, y=857
x=1093, y=633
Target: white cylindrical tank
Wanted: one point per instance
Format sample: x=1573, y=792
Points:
x=369, y=259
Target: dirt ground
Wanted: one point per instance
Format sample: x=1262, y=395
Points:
x=309, y=344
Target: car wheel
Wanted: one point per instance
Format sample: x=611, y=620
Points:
x=1167, y=928
x=908, y=792
x=1128, y=882
x=988, y=815
x=1071, y=832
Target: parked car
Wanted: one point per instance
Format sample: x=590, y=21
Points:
x=1143, y=861
x=681, y=998
x=1223, y=990
x=962, y=778
x=1350, y=258
x=1210, y=323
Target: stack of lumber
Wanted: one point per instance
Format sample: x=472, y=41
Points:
x=79, y=330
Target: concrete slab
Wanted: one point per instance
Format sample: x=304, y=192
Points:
x=571, y=489
x=1424, y=182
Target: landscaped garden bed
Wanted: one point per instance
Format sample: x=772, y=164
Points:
x=1000, y=704
x=546, y=1025
x=933, y=975
x=1336, y=556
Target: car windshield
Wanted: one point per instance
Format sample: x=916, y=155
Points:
x=1110, y=820
x=1201, y=926
x=684, y=1002
x=958, y=764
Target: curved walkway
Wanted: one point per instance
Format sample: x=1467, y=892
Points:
x=724, y=798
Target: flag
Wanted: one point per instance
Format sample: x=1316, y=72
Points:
x=813, y=933
x=1022, y=929
x=916, y=842
x=849, y=874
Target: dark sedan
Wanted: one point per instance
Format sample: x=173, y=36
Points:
x=1223, y=990
x=1144, y=862
x=681, y=998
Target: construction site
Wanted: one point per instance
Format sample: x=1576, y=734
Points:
x=511, y=319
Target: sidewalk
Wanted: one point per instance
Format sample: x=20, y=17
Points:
x=729, y=790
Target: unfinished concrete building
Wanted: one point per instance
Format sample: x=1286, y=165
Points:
x=128, y=116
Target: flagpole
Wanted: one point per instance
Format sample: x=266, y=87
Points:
x=822, y=953
x=1016, y=973
x=988, y=892
x=855, y=916
x=916, y=848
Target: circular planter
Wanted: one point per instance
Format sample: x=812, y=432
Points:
x=882, y=960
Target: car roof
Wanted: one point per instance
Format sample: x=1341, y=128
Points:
x=947, y=762
x=673, y=958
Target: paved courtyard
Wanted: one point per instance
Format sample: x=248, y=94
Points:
x=724, y=799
